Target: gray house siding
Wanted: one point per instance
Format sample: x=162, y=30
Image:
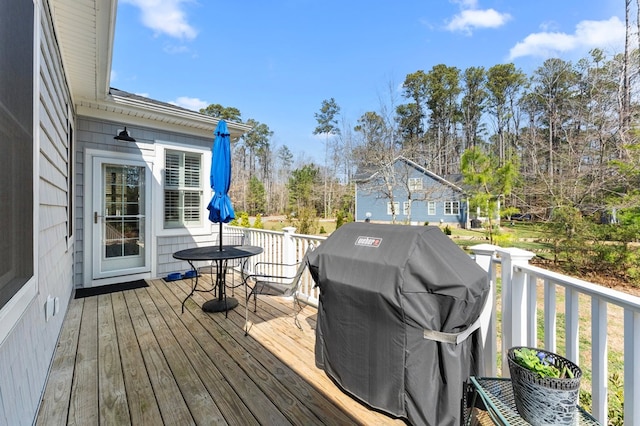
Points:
x=97, y=135
x=27, y=351
x=67, y=127
x=169, y=245
x=373, y=197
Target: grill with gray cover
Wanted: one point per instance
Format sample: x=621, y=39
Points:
x=397, y=318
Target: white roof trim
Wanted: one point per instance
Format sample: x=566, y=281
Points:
x=155, y=115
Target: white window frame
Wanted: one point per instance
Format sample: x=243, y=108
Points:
x=431, y=208
x=415, y=184
x=14, y=309
x=396, y=206
x=183, y=189
x=452, y=208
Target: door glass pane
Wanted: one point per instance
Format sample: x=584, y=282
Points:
x=123, y=203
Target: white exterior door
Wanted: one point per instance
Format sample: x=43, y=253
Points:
x=120, y=225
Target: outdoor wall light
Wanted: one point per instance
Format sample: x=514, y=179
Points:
x=124, y=136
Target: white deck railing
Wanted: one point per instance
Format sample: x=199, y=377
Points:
x=285, y=247
x=521, y=302
x=528, y=290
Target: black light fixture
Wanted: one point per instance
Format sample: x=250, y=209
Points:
x=124, y=136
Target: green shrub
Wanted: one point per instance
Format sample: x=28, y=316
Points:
x=306, y=221
x=339, y=220
x=235, y=221
x=616, y=400
x=502, y=239
x=244, y=220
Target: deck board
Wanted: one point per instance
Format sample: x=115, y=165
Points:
x=112, y=398
x=172, y=406
x=201, y=404
x=55, y=406
x=83, y=407
x=261, y=370
x=143, y=407
x=134, y=358
x=207, y=361
x=282, y=385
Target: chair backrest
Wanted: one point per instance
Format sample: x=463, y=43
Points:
x=297, y=278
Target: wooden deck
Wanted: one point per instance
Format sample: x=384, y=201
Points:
x=133, y=358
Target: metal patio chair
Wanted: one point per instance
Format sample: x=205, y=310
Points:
x=272, y=279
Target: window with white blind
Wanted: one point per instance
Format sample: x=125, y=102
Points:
x=182, y=189
x=431, y=208
x=415, y=184
x=452, y=208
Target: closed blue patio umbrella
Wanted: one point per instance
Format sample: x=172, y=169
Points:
x=220, y=208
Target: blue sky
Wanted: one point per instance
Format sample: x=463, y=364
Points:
x=277, y=60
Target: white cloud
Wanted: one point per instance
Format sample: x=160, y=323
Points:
x=470, y=19
x=607, y=34
x=601, y=33
x=165, y=17
x=193, y=104
x=543, y=45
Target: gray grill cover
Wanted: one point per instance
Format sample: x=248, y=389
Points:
x=381, y=287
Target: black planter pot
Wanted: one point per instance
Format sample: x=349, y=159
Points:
x=544, y=400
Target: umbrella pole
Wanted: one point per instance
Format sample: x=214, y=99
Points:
x=220, y=235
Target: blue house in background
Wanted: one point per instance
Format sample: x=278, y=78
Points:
x=405, y=192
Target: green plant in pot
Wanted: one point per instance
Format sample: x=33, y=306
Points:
x=545, y=386
x=541, y=362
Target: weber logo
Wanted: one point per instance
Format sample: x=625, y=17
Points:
x=368, y=242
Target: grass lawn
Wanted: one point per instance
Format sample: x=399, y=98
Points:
x=277, y=223
x=527, y=236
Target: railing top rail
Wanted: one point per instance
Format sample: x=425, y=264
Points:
x=615, y=297
x=265, y=231
x=309, y=237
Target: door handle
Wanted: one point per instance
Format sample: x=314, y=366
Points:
x=95, y=217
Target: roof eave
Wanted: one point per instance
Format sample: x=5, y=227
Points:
x=85, y=32
x=155, y=115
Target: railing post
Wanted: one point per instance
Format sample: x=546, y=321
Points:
x=514, y=301
x=484, y=254
x=289, y=250
x=572, y=324
x=631, y=371
x=599, y=364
